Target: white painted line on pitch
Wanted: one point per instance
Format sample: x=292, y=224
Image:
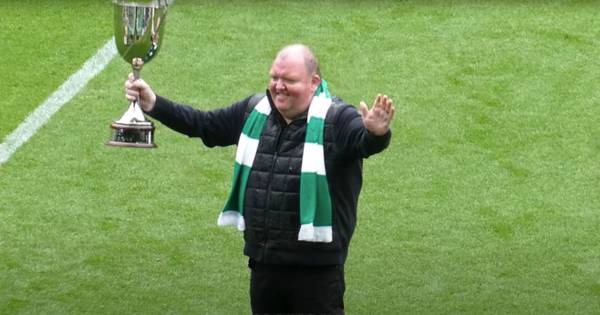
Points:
x=61, y=96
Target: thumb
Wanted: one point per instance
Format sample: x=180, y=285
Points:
x=139, y=84
x=364, y=110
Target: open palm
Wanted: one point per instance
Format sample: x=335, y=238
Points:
x=377, y=119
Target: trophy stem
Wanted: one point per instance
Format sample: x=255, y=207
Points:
x=137, y=64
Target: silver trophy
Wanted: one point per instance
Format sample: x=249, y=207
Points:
x=139, y=27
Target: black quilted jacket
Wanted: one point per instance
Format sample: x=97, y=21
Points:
x=272, y=203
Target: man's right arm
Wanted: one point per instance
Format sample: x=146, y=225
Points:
x=219, y=127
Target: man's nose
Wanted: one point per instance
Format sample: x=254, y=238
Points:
x=279, y=84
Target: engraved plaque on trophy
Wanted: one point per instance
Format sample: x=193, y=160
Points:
x=139, y=27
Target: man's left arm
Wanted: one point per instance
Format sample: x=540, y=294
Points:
x=368, y=133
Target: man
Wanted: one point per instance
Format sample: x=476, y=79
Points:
x=297, y=177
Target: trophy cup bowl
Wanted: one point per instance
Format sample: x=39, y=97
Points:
x=139, y=27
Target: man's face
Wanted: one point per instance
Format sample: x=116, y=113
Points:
x=291, y=86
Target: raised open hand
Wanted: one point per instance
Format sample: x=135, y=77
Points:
x=377, y=119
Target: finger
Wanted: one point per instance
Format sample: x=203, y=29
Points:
x=140, y=84
x=131, y=90
x=383, y=103
x=388, y=104
x=392, y=112
x=131, y=94
x=364, y=109
x=377, y=100
x=135, y=89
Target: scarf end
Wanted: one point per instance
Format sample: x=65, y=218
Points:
x=227, y=218
x=310, y=233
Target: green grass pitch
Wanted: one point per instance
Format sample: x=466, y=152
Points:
x=486, y=201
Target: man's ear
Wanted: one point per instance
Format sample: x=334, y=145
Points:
x=315, y=81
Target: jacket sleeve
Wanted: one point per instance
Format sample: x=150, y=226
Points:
x=352, y=138
x=219, y=127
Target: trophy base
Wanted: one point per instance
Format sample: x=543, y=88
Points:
x=135, y=135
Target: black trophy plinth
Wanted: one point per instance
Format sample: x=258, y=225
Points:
x=136, y=134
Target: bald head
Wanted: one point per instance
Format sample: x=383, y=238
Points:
x=303, y=52
x=294, y=79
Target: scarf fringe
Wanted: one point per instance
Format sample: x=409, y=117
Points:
x=234, y=218
x=311, y=233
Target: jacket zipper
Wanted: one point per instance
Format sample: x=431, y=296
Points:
x=271, y=171
x=270, y=180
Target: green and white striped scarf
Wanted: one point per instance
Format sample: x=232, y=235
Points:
x=315, y=201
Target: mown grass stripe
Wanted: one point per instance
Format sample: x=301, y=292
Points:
x=61, y=96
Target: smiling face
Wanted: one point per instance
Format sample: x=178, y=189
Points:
x=292, y=84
